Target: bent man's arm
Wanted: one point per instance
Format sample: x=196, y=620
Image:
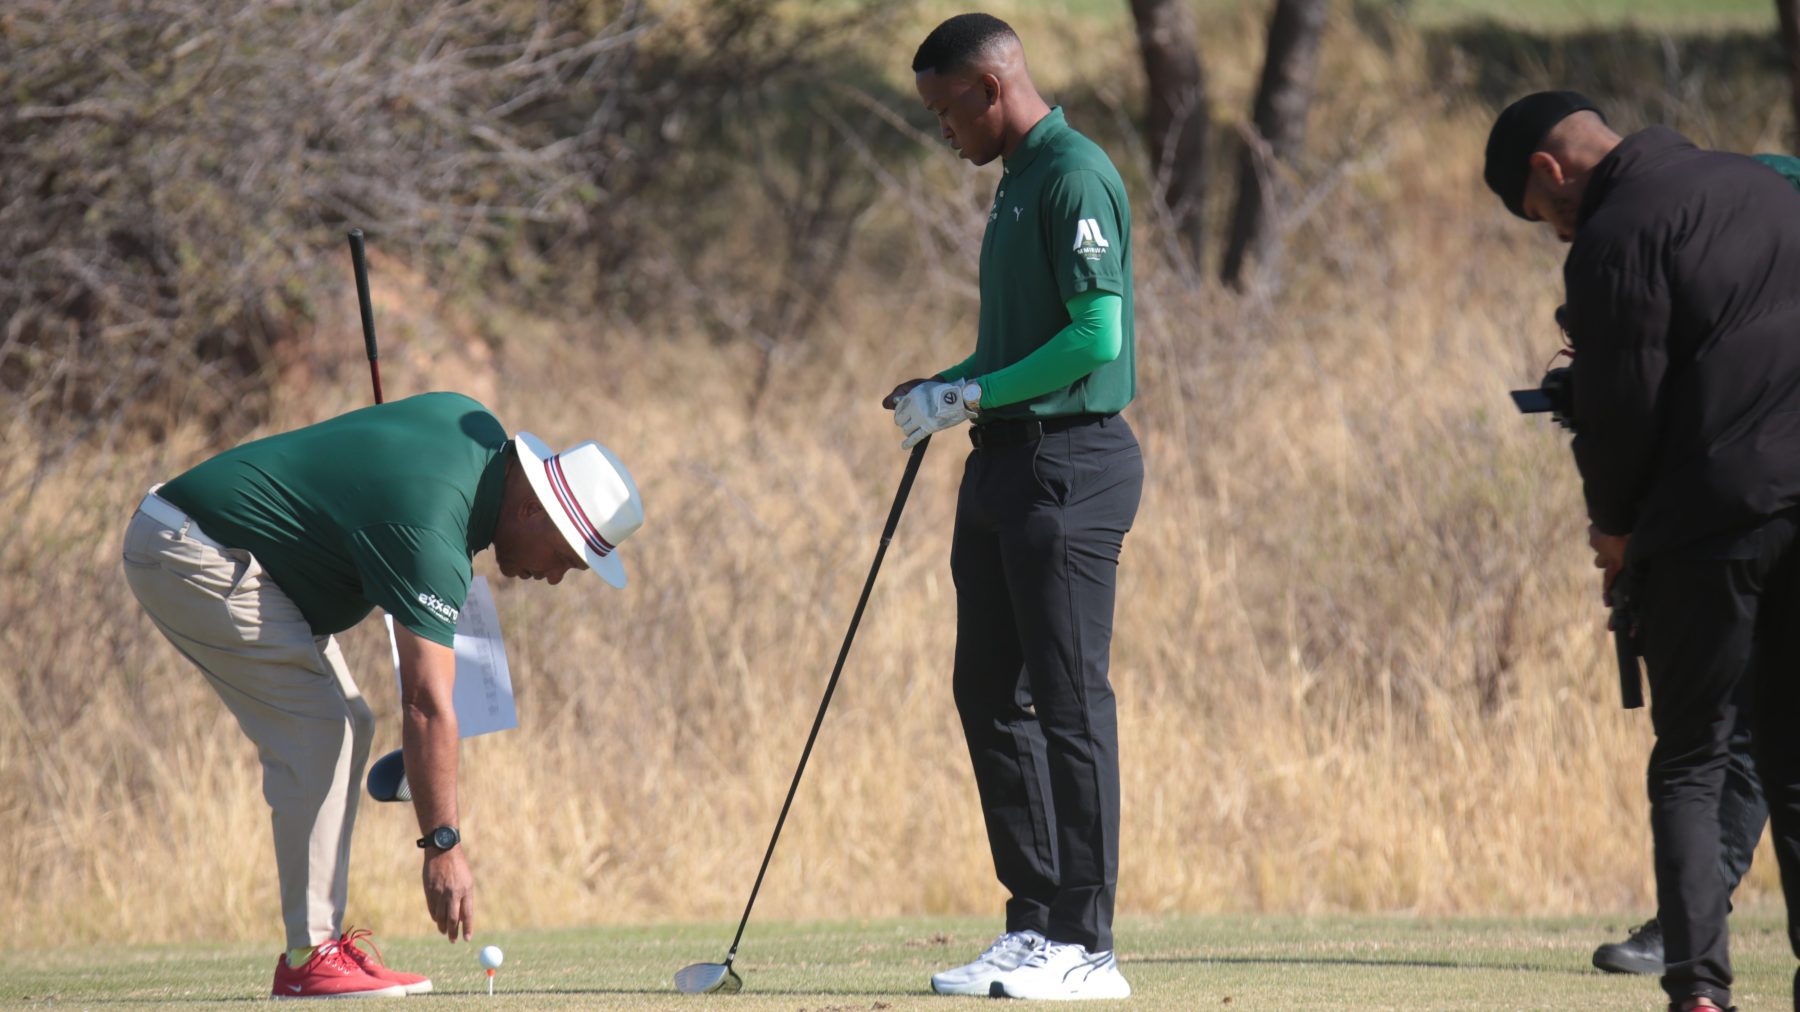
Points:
x=1619, y=320
x=429, y=741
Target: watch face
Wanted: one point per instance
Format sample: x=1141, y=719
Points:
x=443, y=838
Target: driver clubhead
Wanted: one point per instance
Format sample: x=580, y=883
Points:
x=708, y=978
x=387, y=778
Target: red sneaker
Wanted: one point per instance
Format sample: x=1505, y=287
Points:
x=329, y=974
x=371, y=964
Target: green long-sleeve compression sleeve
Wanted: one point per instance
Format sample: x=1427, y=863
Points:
x=1093, y=338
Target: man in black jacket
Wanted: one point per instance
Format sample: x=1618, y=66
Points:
x=1742, y=813
x=1683, y=295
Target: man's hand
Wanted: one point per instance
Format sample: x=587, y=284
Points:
x=892, y=400
x=930, y=407
x=450, y=892
x=1609, y=556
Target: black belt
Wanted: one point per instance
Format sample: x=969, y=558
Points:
x=999, y=434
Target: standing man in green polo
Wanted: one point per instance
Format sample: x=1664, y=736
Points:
x=1048, y=492
x=253, y=561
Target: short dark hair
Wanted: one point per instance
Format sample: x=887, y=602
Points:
x=957, y=42
x=1519, y=132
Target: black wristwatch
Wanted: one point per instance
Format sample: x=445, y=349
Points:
x=443, y=838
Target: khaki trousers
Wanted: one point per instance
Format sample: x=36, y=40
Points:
x=291, y=694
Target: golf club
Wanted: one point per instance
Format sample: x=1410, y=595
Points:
x=706, y=978
x=387, y=778
x=360, y=261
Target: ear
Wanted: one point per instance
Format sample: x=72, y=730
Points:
x=1544, y=162
x=990, y=86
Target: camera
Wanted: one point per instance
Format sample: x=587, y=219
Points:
x=1555, y=393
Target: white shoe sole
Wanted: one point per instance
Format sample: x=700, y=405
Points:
x=1094, y=995
x=979, y=988
x=1114, y=987
x=382, y=992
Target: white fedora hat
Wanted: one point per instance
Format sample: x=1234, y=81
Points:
x=589, y=495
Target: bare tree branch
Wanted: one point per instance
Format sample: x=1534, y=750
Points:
x=1277, y=137
x=1177, y=121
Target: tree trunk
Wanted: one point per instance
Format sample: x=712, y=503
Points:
x=1277, y=135
x=1790, y=44
x=1176, y=121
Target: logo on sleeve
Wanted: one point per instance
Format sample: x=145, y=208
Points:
x=1088, y=240
x=439, y=607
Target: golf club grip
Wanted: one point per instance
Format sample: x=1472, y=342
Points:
x=887, y=535
x=359, y=260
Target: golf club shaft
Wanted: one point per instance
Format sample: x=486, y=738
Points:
x=887, y=535
x=360, y=261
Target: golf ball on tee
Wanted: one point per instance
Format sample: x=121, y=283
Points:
x=492, y=957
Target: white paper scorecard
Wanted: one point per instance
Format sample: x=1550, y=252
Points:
x=484, y=693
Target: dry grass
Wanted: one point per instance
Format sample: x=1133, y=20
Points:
x=1359, y=657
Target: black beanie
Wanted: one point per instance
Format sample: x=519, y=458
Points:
x=1521, y=127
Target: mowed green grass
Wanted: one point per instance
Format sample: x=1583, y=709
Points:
x=1234, y=963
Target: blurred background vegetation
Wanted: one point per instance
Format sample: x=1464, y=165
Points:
x=1359, y=655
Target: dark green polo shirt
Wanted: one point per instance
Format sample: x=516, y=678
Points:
x=1060, y=226
x=380, y=507
x=1787, y=165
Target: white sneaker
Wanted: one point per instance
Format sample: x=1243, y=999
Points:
x=983, y=976
x=1064, y=971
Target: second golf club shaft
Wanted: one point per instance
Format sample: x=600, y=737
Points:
x=887, y=535
x=359, y=259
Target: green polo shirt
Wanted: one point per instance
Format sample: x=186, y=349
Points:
x=1060, y=226
x=1787, y=165
x=382, y=507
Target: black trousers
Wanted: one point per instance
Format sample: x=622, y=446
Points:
x=1742, y=811
x=1039, y=527
x=1709, y=616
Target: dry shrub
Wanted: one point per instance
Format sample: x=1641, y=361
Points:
x=178, y=180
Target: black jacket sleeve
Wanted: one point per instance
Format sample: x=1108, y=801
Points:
x=1619, y=320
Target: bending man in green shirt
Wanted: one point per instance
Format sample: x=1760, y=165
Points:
x=1048, y=492
x=252, y=562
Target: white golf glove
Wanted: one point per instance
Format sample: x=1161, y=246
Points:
x=931, y=407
